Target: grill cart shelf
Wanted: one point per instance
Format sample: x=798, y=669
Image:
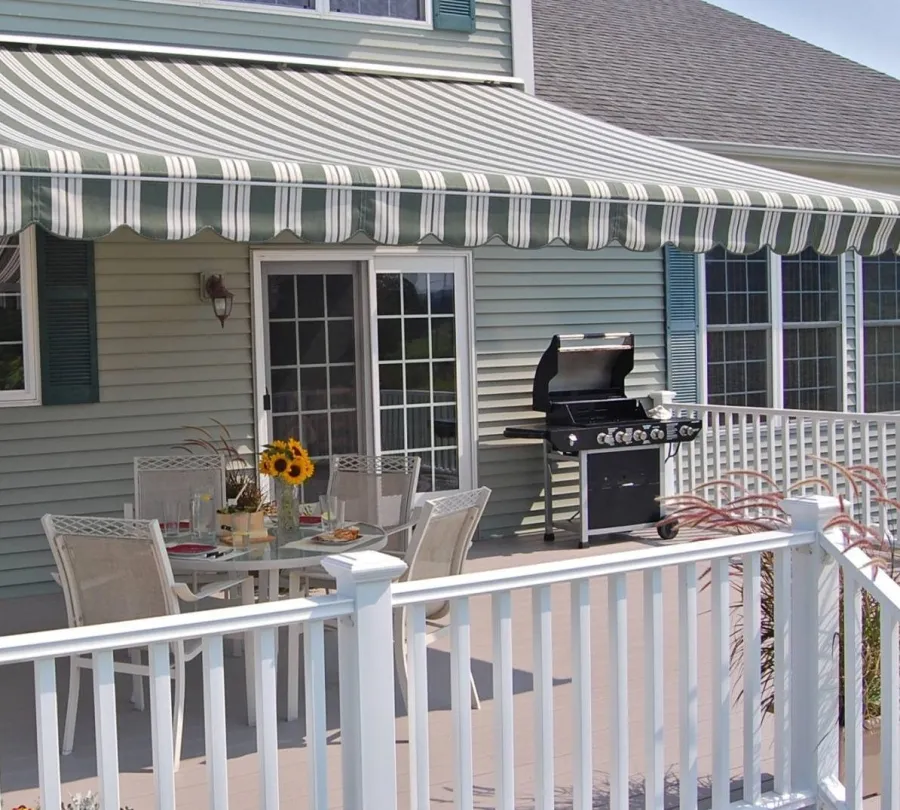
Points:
x=621, y=450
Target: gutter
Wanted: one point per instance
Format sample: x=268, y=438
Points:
x=280, y=60
x=799, y=154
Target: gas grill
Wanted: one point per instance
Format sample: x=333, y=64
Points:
x=621, y=449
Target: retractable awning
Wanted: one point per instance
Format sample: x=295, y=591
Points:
x=90, y=142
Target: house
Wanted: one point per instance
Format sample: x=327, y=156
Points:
x=390, y=227
x=803, y=332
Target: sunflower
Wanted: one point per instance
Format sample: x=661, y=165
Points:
x=265, y=465
x=297, y=449
x=280, y=465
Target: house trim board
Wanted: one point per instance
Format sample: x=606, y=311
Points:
x=523, y=42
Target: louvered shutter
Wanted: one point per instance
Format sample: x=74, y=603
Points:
x=68, y=320
x=454, y=15
x=682, y=324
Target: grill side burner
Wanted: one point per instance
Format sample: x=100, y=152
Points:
x=579, y=386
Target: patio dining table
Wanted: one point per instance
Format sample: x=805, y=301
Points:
x=296, y=553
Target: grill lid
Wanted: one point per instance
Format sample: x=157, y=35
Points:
x=582, y=368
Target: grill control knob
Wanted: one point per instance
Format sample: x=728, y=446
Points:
x=686, y=430
x=609, y=439
x=572, y=439
x=601, y=437
x=629, y=438
x=640, y=435
x=657, y=434
x=620, y=436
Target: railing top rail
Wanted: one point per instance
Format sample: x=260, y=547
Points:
x=624, y=562
x=881, y=418
x=868, y=574
x=141, y=632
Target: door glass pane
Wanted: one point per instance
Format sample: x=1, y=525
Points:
x=313, y=366
x=417, y=373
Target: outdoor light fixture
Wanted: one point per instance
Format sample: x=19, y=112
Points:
x=212, y=288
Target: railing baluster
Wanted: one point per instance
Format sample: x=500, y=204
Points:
x=881, y=428
x=106, y=737
x=687, y=682
x=214, y=720
x=316, y=726
x=583, y=791
x=801, y=454
x=817, y=448
x=830, y=472
x=164, y=752
x=618, y=680
x=504, y=721
x=265, y=658
x=47, y=732
x=890, y=709
x=782, y=673
x=789, y=424
x=867, y=516
x=752, y=689
x=417, y=707
x=755, y=483
x=771, y=465
x=543, y=696
x=461, y=702
x=703, y=468
x=729, y=444
x=853, y=686
x=717, y=458
x=721, y=686
x=654, y=733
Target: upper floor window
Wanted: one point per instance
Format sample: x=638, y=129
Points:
x=881, y=332
x=392, y=9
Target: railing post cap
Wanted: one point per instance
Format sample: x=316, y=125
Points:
x=812, y=512
x=359, y=567
x=663, y=397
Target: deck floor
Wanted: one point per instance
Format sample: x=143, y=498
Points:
x=18, y=765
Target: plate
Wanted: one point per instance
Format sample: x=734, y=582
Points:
x=310, y=520
x=191, y=549
x=328, y=539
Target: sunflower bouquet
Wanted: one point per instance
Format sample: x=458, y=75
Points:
x=288, y=464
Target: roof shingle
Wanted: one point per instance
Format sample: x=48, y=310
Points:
x=687, y=69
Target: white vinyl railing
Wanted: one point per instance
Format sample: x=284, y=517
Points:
x=805, y=686
x=790, y=447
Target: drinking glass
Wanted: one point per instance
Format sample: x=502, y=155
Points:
x=202, y=515
x=332, y=512
x=171, y=518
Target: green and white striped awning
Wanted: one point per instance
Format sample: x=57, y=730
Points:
x=91, y=142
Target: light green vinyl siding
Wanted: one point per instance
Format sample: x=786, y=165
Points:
x=523, y=298
x=165, y=362
x=231, y=27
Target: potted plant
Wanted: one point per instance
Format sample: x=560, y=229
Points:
x=747, y=512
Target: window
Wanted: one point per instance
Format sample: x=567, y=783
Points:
x=18, y=323
x=737, y=321
x=881, y=332
x=811, y=310
x=392, y=9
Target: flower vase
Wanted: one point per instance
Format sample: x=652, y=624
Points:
x=288, y=508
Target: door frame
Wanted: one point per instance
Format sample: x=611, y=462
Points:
x=365, y=257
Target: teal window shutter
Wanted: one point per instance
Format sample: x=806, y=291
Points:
x=454, y=15
x=68, y=320
x=682, y=324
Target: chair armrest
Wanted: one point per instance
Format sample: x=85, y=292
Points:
x=213, y=590
x=402, y=527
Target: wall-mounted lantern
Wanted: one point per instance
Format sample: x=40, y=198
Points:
x=212, y=288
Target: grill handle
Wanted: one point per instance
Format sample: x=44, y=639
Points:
x=598, y=336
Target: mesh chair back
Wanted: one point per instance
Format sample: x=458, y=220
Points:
x=111, y=570
x=442, y=540
x=162, y=479
x=377, y=489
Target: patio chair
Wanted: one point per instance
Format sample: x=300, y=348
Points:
x=158, y=479
x=114, y=570
x=378, y=490
x=439, y=548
